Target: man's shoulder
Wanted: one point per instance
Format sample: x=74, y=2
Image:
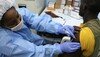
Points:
x=7, y=34
x=3, y=32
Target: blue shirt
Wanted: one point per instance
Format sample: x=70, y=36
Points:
x=23, y=43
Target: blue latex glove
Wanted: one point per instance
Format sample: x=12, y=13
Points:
x=68, y=30
x=69, y=46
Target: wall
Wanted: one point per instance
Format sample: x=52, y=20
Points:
x=33, y=5
x=47, y=1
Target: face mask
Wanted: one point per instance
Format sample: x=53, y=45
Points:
x=19, y=26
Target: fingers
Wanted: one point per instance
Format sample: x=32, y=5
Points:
x=69, y=33
x=69, y=30
x=73, y=46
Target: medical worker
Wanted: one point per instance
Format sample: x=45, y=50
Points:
x=90, y=31
x=17, y=40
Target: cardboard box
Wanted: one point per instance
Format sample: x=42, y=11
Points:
x=50, y=6
x=57, y=4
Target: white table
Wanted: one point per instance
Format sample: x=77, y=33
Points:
x=74, y=19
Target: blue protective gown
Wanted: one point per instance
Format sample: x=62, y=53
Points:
x=24, y=43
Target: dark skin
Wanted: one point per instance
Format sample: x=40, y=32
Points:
x=89, y=11
x=11, y=18
x=76, y=33
x=89, y=16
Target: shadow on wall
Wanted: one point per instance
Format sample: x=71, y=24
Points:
x=40, y=4
x=33, y=5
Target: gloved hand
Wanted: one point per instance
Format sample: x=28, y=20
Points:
x=68, y=30
x=69, y=46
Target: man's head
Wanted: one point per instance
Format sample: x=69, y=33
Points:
x=9, y=17
x=88, y=7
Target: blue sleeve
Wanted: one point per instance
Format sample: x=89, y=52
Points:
x=41, y=23
x=12, y=46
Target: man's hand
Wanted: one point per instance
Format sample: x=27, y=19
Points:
x=68, y=30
